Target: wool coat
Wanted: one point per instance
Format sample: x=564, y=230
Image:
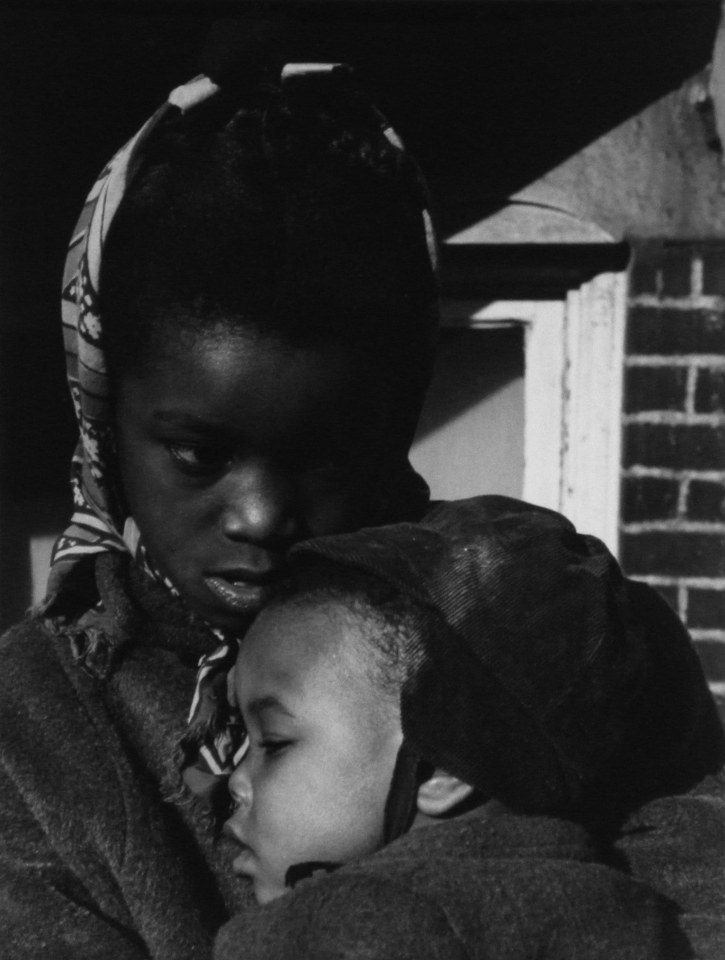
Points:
x=95, y=863
x=103, y=856
x=677, y=845
x=490, y=885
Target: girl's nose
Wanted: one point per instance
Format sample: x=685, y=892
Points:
x=259, y=505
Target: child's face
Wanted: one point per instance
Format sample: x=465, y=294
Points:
x=323, y=745
x=234, y=447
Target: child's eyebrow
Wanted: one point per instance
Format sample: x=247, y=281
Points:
x=258, y=706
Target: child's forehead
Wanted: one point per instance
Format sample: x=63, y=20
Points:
x=292, y=639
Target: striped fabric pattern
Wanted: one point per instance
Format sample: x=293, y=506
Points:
x=98, y=523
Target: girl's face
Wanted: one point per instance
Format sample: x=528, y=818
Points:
x=323, y=740
x=234, y=446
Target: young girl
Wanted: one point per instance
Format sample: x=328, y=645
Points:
x=249, y=308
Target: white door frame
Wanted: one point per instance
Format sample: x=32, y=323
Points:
x=574, y=352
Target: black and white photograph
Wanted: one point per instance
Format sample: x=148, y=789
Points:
x=362, y=480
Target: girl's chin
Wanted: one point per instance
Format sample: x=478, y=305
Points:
x=232, y=623
x=230, y=618
x=218, y=618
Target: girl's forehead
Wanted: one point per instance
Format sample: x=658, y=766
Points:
x=222, y=345
x=217, y=373
x=268, y=393
x=229, y=357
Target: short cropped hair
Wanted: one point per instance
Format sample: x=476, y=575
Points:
x=392, y=621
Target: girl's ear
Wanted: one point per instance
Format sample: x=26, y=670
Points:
x=440, y=793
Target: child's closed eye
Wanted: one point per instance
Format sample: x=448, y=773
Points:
x=273, y=745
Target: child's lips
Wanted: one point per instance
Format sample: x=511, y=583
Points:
x=244, y=858
x=243, y=863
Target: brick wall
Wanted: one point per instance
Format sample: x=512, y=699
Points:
x=673, y=495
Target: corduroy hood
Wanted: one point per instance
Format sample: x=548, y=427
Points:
x=553, y=682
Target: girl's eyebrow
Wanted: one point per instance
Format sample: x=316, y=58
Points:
x=177, y=416
x=186, y=421
x=259, y=705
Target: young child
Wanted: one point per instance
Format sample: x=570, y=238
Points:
x=249, y=310
x=485, y=686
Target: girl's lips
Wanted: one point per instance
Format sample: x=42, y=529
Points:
x=240, y=592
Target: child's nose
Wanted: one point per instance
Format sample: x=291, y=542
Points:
x=240, y=788
x=259, y=505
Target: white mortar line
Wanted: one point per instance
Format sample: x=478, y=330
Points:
x=682, y=495
x=700, y=301
x=674, y=526
x=692, y=583
x=638, y=471
x=673, y=418
x=682, y=602
x=675, y=360
x=690, y=389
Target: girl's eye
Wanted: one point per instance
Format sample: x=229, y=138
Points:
x=198, y=459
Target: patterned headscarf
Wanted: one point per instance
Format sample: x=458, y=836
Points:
x=99, y=524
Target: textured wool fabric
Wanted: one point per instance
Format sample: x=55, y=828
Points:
x=554, y=684
x=488, y=886
x=94, y=863
x=676, y=844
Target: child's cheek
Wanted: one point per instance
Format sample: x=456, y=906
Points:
x=281, y=805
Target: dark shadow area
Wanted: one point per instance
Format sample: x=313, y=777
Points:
x=525, y=270
x=497, y=94
x=74, y=86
